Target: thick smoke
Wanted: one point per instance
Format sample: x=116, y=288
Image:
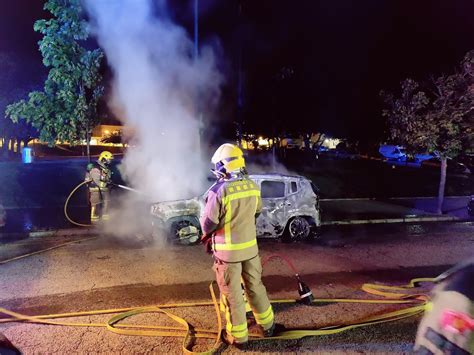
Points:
x=160, y=90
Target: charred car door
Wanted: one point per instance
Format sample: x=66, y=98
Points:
x=272, y=220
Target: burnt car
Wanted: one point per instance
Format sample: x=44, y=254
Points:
x=290, y=211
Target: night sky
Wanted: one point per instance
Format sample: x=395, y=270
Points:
x=306, y=65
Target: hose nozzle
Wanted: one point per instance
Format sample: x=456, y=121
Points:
x=306, y=296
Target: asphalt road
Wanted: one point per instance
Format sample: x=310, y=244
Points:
x=110, y=273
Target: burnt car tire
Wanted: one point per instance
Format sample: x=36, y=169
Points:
x=181, y=223
x=298, y=228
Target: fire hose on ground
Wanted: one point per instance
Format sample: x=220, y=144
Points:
x=418, y=303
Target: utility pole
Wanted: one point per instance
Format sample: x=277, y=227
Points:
x=196, y=29
x=240, y=101
x=196, y=56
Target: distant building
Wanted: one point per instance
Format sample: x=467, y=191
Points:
x=103, y=131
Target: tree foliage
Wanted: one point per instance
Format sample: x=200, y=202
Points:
x=437, y=119
x=115, y=138
x=66, y=108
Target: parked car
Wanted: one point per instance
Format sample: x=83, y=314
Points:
x=467, y=160
x=397, y=153
x=393, y=152
x=292, y=143
x=290, y=211
x=343, y=154
x=454, y=166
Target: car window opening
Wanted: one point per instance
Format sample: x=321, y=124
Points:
x=293, y=187
x=272, y=189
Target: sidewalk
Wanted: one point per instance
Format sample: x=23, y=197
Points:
x=393, y=210
x=24, y=222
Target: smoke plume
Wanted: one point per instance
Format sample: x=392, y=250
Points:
x=160, y=89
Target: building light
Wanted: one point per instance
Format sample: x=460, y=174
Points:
x=27, y=155
x=263, y=142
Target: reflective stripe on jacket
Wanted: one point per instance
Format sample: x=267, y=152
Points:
x=232, y=205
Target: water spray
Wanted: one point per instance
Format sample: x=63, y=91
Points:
x=127, y=188
x=84, y=183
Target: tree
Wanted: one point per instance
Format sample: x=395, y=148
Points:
x=66, y=109
x=115, y=138
x=435, y=120
x=12, y=86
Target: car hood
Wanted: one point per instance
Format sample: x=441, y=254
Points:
x=170, y=209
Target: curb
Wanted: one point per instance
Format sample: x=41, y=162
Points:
x=52, y=233
x=94, y=232
x=390, y=198
x=64, y=232
x=394, y=220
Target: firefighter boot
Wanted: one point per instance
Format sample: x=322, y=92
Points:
x=105, y=210
x=275, y=329
x=94, y=215
x=230, y=340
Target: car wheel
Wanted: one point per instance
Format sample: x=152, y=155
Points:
x=185, y=231
x=297, y=228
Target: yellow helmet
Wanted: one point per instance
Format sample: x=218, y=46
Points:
x=228, y=158
x=105, y=157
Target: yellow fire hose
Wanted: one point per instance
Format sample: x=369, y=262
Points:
x=67, y=202
x=419, y=303
x=392, y=295
x=45, y=250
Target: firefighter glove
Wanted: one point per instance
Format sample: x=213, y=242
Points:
x=207, y=241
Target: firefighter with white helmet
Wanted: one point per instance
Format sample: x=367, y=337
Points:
x=448, y=325
x=229, y=233
x=99, y=176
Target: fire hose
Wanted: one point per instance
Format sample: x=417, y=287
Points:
x=418, y=303
x=67, y=202
x=66, y=214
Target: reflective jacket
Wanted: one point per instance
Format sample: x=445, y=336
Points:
x=230, y=211
x=100, y=177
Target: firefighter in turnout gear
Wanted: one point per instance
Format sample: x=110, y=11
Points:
x=229, y=233
x=448, y=326
x=99, y=176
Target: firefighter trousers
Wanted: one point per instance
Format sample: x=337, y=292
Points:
x=99, y=200
x=229, y=276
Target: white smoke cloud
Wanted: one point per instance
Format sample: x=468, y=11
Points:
x=160, y=90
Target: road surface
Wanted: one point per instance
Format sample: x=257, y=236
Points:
x=109, y=273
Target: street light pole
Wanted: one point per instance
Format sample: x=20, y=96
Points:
x=196, y=55
x=196, y=29
x=240, y=102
